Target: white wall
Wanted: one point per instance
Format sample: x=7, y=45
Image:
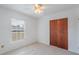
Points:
x=77, y=30
x=43, y=28
x=5, y=29
x=73, y=28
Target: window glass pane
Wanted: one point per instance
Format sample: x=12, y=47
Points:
x=17, y=29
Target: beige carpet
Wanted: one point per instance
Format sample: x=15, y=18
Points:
x=39, y=49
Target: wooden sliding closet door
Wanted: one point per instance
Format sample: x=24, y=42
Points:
x=59, y=33
x=53, y=26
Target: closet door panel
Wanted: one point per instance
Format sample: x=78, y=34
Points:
x=59, y=33
x=53, y=34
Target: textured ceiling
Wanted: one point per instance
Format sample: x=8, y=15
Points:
x=28, y=8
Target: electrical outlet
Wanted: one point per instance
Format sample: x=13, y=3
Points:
x=2, y=46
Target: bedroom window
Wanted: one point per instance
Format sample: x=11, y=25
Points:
x=17, y=29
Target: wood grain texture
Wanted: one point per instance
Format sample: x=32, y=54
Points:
x=59, y=33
